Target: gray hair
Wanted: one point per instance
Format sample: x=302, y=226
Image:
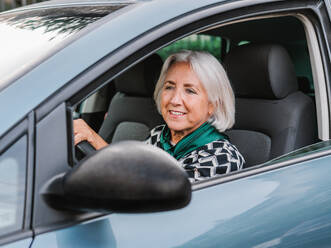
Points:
x=213, y=78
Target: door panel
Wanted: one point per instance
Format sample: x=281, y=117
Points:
x=95, y=234
x=288, y=207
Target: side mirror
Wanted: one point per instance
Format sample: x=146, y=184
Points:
x=126, y=177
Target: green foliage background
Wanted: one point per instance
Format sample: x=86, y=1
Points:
x=194, y=42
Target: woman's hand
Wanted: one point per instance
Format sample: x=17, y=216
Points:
x=82, y=132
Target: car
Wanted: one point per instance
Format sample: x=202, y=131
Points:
x=98, y=60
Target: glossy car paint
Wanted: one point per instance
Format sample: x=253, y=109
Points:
x=235, y=214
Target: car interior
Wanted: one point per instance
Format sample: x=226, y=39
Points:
x=269, y=66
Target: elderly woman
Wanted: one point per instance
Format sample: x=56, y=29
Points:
x=196, y=101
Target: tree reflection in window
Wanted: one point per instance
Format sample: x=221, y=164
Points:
x=58, y=21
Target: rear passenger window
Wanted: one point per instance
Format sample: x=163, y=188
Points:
x=12, y=186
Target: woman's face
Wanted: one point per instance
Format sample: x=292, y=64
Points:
x=184, y=101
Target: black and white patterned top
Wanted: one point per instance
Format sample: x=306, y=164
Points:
x=215, y=158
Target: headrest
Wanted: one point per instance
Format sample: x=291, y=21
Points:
x=140, y=80
x=261, y=71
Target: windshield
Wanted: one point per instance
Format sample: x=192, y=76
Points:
x=29, y=36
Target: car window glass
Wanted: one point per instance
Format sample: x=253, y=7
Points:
x=12, y=186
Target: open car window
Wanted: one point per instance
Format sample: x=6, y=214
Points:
x=123, y=110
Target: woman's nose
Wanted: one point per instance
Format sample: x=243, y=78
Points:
x=176, y=98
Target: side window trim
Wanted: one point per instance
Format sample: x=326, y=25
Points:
x=322, y=110
x=30, y=171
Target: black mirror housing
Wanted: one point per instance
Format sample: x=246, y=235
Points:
x=126, y=177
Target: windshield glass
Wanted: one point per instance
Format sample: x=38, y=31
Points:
x=29, y=36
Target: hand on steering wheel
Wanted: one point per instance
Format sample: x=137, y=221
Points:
x=86, y=139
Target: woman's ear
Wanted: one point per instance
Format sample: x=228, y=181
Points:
x=211, y=109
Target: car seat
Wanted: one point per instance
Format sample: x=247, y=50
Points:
x=132, y=112
x=272, y=116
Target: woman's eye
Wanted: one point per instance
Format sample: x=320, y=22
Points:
x=168, y=87
x=190, y=91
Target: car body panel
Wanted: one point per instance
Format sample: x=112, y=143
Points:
x=234, y=214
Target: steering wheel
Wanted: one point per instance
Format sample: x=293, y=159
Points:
x=83, y=149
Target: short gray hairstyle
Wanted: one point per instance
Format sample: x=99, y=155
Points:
x=213, y=78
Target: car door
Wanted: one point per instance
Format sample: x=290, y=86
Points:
x=284, y=206
x=285, y=202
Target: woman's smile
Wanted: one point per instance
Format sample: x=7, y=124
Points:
x=176, y=113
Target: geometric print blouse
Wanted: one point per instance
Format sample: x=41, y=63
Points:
x=215, y=158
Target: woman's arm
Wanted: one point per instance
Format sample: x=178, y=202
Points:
x=82, y=132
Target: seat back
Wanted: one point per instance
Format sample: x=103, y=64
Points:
x=272, y=116
x=132, y=111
